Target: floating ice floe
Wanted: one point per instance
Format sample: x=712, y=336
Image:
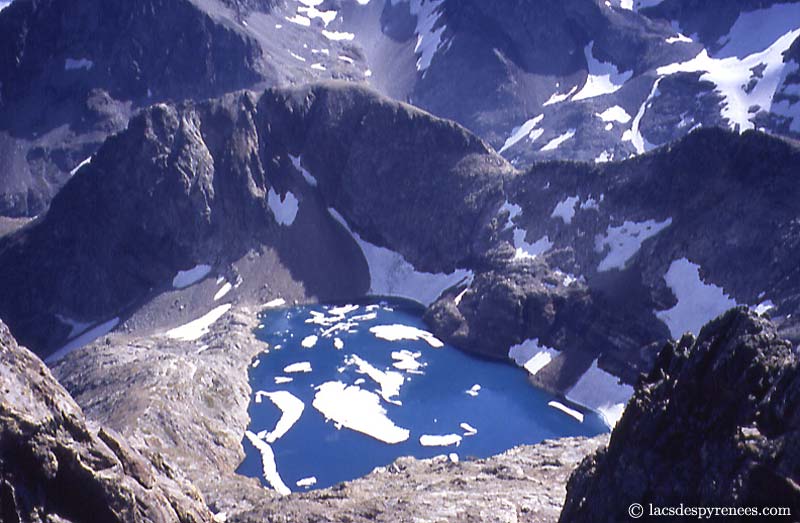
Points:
x=566, y=410
x=469, y=430
x=291, y=408
x=446, y=440
x=405, y=332
x=309, y=341
x=338, y=344
x=624, y=241
x=407, y=361
x=270, y=468
x=389, y=381
x=306, y=482
x=532, y=356
x=391, y=275
x=602, y=392
x=191, y=276
x=281, y=380
x=198, y=328
x=474, y=390
x=300, y=366
x=358, y=410
x=698, y=302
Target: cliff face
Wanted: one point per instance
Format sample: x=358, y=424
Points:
x=715, y=424
x=54, y=465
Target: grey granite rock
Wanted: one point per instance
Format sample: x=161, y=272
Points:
x=56, y=466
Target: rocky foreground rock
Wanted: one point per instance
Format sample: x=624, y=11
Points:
x=57, y=466
x=715, y=424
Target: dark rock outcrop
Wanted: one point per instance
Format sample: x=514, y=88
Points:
x=191, y=184
x=54, y=466
x=520, y=300
x=714, y=424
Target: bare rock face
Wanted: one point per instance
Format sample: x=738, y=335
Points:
x=715, y=424
x=54, y=466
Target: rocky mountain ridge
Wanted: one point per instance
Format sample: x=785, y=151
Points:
x=714, y=424
x=584, y=79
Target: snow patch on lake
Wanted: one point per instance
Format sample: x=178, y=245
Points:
x=291, y=408
x=301, y=366
x=698, y=302
x=602, y=392
x=624, y=241
x=309, y=341
x=358, y=410
x=407, y=361
x=306, y=482
x=391, y=275
x=268, y=464
x=603, y=78
x=399, y=332
x=566, y=410
x=191, y=276
x=389, y=381
x=446, y=440
x=284, y=210
x=198, y=328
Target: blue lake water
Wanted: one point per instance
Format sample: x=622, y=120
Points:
x=386, y=397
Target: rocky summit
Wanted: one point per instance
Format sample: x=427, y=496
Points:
x=714, y=424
